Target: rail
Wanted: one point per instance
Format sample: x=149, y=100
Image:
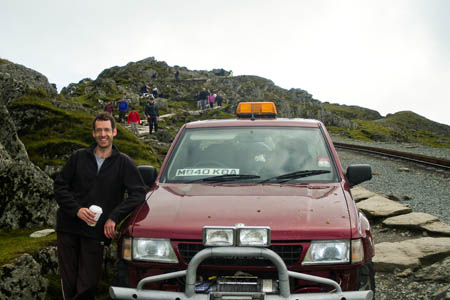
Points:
x=439, y=163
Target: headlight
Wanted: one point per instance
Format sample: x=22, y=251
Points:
x=253, y=236
x=156, y=250
x=328, y=252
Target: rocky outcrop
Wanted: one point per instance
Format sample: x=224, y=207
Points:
x=26, y=192
x=22, y=280
x=16, y=79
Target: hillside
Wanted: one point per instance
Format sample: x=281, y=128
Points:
x=52, y=125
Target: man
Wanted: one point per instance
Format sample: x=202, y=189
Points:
x=123, y=108
x=96, y=175
x=152, y=114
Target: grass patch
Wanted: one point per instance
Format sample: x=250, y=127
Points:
x=18, y=242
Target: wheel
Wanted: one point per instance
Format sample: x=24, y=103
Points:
x=366, y=278
x=210, y=164
x=121, y=279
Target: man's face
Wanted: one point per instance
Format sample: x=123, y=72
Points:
x=104, y=134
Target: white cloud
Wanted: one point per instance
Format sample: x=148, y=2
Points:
x=384, y=55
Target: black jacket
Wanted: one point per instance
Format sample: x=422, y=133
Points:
x=151, y=110
x=78, y=185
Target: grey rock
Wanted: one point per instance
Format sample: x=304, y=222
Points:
x=419, y=221
x=442, y=294
x=409, y=253
x=8, y=136
x=22, y=280
x=378, y=206
x=439, y=271
x=16, y=79
x=359, y=193
x=412, y=220
x=42, y=233
x=48, y=259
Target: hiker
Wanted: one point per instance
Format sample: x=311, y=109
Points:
x=211, y=100
x=123, y=109
x=203, y=96
x=219, y=99
x=155, y=92
x=144, y=90
x=152, y=114
x=177, y=75
x=109, y=108
x=134, y=119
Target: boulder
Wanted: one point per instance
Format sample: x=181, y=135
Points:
x=418, y=221
x=26, y=192
x=22, y=280
x=439, y=271
x=409, y=253
x=378, y=206
x=16, y=79
x=359, y=193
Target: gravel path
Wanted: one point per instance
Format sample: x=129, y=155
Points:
x=424, y=189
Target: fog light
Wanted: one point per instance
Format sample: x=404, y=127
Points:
x=253, y=236
x=218, y=236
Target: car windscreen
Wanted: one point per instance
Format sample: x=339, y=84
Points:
x=250, y=155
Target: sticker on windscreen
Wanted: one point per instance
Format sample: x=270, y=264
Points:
x=323, y=162
x=206, y=172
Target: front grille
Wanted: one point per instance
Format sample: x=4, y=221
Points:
x=289, y=253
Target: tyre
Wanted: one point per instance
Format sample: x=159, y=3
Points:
x=121, y=279
x=366, y=278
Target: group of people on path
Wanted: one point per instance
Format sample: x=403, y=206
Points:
x=205, y=98
x=147, y=91
x=151, y=112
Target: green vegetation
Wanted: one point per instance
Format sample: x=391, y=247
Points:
x=4, y=61
x=52, y=133
x=17, y=242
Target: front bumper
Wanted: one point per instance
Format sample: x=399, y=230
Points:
x=191, y=275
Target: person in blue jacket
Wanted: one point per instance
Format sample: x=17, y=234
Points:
x=122, y=107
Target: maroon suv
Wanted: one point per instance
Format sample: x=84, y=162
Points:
x=256, y=207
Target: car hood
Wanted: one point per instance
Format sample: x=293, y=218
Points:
x=293, y=212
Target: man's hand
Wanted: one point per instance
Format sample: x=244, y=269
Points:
x=86, y=215
x=110, y=227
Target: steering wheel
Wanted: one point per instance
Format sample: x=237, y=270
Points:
x=210, y=164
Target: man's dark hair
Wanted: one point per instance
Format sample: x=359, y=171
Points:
x=104, y=116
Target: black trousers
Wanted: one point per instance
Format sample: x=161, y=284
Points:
x=152, y=122
x=80, y=265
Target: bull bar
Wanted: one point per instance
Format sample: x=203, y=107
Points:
x=191, y=272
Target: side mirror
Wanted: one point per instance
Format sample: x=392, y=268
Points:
x=358, y=173
x=149, y=174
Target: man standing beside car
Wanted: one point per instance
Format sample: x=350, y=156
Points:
x=98, y=175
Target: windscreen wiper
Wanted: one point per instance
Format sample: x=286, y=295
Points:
x=295, y=175
x=226, y=177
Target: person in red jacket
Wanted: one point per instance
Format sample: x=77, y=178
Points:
x=134, y=119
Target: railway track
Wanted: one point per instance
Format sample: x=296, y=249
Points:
x=439, y=163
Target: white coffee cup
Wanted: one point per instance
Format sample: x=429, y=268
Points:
x=98, y=211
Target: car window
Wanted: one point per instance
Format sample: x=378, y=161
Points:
x=261, y=151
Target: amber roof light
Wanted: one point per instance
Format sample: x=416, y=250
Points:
x=256, y=110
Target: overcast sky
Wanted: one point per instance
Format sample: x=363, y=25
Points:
x=386, y=55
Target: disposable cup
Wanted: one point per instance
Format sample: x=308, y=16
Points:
x=98, y=212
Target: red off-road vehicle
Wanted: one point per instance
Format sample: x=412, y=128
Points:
x=256, y=207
